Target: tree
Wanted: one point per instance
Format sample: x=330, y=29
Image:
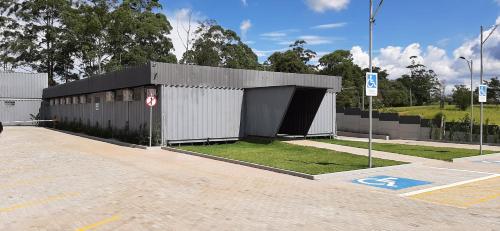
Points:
x=219, y=47
x=294, y=60
x=423, y=83
x=340, y=63
x=37, y=43
x=494, y=91
x=461, y=97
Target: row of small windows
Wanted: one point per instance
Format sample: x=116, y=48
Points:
x=125, y=95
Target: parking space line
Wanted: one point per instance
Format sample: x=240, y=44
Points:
x=99, y=223
x=448, y=185
x=38, y=201
x=462, y=170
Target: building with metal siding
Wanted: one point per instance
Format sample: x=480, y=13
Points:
x=197, y=103
x=21, y=96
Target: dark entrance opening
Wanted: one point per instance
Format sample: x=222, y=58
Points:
x=301, y=111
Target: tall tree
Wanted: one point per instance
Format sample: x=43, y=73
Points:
x=494, y=91
x=294, y=60
x=38, y=43
x=215, y=46
x=423, y=83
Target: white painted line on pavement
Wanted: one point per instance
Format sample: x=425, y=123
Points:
x=448, y=185
x=462, y=170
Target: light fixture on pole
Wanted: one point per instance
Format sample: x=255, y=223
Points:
x=469, y=63
x=482, y=41
x=371, y=77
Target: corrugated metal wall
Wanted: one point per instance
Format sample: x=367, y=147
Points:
x=22, y=85
x=192, y=75
x=18, y=110
x=197, y=113
x=324, y=122
x=116, y=113
x=21, y=96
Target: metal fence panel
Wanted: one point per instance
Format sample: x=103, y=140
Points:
x=22, y=85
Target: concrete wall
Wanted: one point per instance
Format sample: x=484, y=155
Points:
x=192, y=114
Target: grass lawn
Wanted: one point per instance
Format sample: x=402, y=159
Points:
x=277, y=154
x=451, y=112
x=438, y=153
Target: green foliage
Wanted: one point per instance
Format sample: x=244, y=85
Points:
x=52, y=36
x=294, y=60
x=494, y=91
x=424, y=85
x=439, y=153
x=461, y=97
x=139, y=136
x=218, y=47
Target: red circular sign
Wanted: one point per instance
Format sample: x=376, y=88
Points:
x=151, y=101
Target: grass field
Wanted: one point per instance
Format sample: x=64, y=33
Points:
x=290, y=157
x=446, y=154
x=491, y=112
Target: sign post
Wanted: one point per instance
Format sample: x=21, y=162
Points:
x=371, y=90
x=483, y=91
x=151, y=102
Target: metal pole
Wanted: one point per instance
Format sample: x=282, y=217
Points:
x=481, y=110
x=150, y=124
x=471, y=103
x=370, y=66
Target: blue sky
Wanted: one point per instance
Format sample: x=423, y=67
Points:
x=435, y=30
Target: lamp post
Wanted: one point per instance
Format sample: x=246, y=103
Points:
x=482, y=41
x=469, y=63
x=372, y=21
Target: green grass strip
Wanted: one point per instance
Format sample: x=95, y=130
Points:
x=296, y=158
x=438, y=153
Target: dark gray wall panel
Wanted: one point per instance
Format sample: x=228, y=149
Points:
x=265, y=109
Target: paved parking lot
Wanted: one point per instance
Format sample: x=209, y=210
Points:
x=54, y=181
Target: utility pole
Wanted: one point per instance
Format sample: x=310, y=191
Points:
x=372, y=21
x=481, y=82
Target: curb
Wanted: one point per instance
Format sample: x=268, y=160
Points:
x=110, y=141
x=244, y=163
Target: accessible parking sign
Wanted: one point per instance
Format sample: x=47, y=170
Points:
x=371, y=84
x=389, y=182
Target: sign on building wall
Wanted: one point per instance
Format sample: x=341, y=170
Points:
x=483, y=91
x=371, y=84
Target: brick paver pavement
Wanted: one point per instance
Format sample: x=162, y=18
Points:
x=54, y=181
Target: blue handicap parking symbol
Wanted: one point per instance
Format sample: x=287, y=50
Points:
x=389, y=182
x=372, y=81
x=482, y=90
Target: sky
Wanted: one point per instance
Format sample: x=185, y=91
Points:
x=437, y=31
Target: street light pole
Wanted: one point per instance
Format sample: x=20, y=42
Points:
x=372, y=21
x=469, y=64
x=481, y=82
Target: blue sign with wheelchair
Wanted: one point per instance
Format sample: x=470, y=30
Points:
x=371, y=84
x=389, y=182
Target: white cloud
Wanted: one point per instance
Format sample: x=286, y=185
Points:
x=244, y=2
x=315, y=40
x=182, y=20
x=275, y=34
x=331, y=25
x=244, y=27
x=324, y=5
